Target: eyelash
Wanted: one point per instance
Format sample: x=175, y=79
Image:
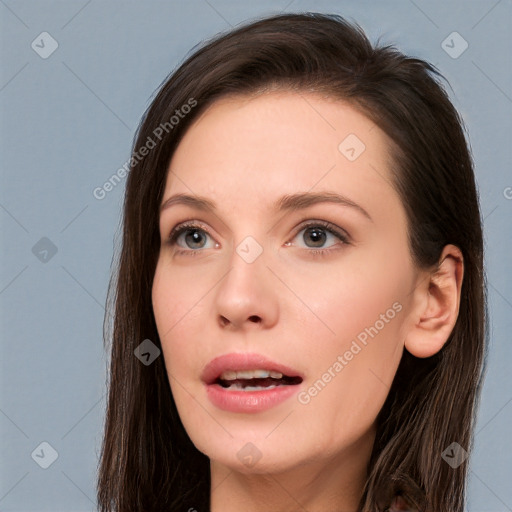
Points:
x=343, y=236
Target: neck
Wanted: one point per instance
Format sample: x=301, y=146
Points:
x=327, y=485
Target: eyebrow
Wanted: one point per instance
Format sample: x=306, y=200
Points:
x=289, y=202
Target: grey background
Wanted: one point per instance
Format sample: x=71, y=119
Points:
x=67, y=124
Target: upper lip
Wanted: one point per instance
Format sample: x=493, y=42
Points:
x=243, y=361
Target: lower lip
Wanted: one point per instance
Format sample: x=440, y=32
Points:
x=249, y=401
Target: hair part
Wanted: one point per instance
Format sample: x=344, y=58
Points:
x=148, y=461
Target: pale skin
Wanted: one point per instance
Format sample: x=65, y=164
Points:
x=244, y=154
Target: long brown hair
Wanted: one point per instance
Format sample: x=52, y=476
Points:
x=148, y=463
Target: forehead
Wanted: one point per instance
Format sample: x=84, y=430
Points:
x=264, y=146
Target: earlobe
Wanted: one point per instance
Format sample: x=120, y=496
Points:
x=438, y=305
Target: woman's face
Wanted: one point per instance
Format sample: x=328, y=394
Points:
x=246, y=287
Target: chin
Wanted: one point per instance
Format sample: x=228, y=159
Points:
x=252, y=454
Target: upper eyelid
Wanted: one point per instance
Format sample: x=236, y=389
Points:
x=188, y=224
x=338, y=232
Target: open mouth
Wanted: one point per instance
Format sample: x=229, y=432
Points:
x=255, y=380
x=247, y=382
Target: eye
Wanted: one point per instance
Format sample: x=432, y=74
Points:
x=191, y=235
x=316, y=233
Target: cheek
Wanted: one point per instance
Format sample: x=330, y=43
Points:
x=350, y=378
x=355, y=349
x=343, y=300
x=176, y=306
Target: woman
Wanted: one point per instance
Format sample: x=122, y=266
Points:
x=302, y=243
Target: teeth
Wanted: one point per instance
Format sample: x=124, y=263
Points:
x=238, y=387
x=228, y=375
x=250, y=374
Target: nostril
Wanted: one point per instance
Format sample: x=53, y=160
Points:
x=225, y=321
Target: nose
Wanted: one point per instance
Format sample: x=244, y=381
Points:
x=247, y=296
x=225, y=322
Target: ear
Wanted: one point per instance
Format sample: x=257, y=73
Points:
x=437, y=300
